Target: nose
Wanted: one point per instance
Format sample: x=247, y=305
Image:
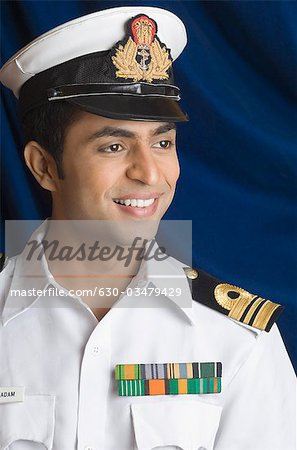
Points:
x=143, y=166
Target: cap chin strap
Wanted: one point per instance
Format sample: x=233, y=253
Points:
x=137, y=89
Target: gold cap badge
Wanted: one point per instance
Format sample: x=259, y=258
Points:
x=142, y=56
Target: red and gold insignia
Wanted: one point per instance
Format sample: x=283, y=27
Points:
x=143, y=56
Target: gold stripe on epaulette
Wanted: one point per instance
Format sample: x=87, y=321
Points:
x=240, y=307
x=252, y=310
x=264, y=315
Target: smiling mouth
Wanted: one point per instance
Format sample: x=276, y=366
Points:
x=135, y=203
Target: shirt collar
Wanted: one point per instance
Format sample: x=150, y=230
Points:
x=168, y=275
x=163, y=273
x=28, y=274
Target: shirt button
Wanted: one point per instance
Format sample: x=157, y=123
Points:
x=89, y=448
x=95, y=352
x=141, y=284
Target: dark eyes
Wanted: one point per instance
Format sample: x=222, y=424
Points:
x=116, y=148
x=163, y=144
x=113, y=148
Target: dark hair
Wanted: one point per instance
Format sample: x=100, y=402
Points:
x=47, y=125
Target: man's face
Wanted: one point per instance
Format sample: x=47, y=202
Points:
x=116, y=170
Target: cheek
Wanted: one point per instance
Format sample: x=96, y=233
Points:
x=172, y=171
x=83, y=173
x=79, y=179
x=90, y=180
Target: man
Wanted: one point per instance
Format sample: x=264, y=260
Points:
x=130, y=370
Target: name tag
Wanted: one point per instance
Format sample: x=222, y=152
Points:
x=11, y=394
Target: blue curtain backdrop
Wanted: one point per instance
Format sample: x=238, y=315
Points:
x=238, y=153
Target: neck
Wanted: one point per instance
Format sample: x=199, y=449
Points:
x=92, y=260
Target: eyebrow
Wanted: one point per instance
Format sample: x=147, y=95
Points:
x=122, y=132
x=164, y=128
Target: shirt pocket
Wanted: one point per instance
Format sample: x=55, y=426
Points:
x=186, y=425
x=31, y=421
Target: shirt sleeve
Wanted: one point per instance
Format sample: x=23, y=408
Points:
x=259, y=412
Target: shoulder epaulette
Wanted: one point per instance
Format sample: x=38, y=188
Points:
x=233, y=301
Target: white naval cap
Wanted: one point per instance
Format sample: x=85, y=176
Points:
x=121, y=54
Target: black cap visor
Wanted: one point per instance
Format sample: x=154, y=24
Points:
x=128, y=107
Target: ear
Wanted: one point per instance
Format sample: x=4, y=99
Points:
x=42, y=165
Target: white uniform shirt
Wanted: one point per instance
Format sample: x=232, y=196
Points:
x=65, y=359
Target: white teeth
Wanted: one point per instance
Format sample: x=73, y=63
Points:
x=138, y=203
x=148, y=202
